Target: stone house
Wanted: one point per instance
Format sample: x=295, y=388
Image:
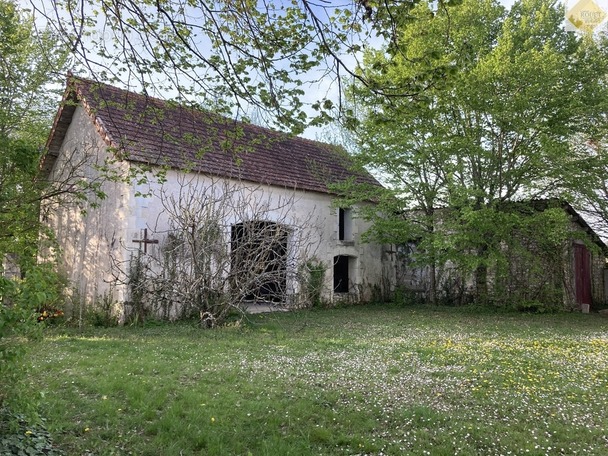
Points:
x=139, y=159
x=574, y=275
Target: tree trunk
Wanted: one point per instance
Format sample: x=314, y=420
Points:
x=433, y=283
x=481, y=282
x=481, y=277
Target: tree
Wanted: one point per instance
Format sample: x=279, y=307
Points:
x=229, y=54
x=29, y=61
x=510, y=103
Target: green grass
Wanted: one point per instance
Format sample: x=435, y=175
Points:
x=359, y=380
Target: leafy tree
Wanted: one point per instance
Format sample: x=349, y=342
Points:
x=509, y=104
x=264, y=54
x=29, y=61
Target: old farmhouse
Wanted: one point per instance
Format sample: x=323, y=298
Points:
x=183, y=193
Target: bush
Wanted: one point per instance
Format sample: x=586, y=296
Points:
x=403, y=297
x=22, y=302
x=19, y=437
x=535, y=306
x=101, y=314
x=313, y=279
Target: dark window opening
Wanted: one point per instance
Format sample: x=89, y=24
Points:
x=259, y=260
x=341, y=279
x=345, y=225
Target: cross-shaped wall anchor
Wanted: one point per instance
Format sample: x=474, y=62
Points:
x=145, y=241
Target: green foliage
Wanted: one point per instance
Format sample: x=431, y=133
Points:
x=42, y=287
x=258, y=56
x=403, y=297
x=18, y=326
x=100, y=318
x=25, y=116
x=19, y=437
x=503, y=106
x=314, y=277
x=533, y=307
x=102, y=313
x=30, y=58
x=20, y=303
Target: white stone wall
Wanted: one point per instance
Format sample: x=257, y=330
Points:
x=88, y=232
x=312, y=220
x=96, y=238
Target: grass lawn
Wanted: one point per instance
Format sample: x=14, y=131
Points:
x=360, y=380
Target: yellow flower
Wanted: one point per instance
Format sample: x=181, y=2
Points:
x=212, y=420
x=28, y=432
x=87, y=429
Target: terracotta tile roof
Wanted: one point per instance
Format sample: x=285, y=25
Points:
x=151, y=131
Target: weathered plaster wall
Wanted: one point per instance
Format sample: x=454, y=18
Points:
x=312, y=221
x=96, y=239
x=88, y=232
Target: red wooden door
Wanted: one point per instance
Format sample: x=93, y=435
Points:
x=582, y=274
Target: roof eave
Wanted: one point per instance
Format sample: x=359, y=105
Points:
x=72, y=97
x=577, y=218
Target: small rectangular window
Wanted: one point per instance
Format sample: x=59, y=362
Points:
x=345, y=224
